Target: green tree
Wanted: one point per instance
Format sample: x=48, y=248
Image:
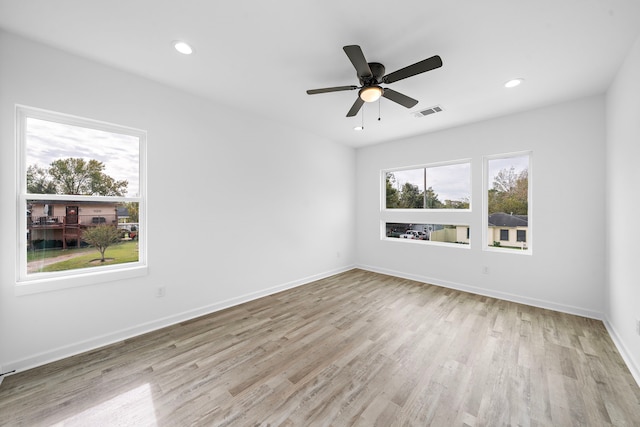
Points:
x=432, y=199
x=457, y=204
x=38, y=181
x=101, y=237
x=410, y=197
x=133, y=209
x=77, y=176
x=393, y=200
x=510, y=192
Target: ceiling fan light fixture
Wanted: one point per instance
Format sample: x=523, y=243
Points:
x=370, y=93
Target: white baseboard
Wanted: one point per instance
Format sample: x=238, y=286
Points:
x=100, y=341
x=624, y=351
x=563, y=308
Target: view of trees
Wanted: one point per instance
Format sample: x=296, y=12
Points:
x=409, y=196
x=74, y=176
x=509, y=193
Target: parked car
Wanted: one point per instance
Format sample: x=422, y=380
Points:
x=414, y=234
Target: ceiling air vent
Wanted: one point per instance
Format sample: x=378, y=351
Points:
x=429, y=111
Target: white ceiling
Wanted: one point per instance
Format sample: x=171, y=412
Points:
x=261, y=56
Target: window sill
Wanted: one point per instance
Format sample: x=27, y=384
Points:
x=427, y=243
x=55, y=283
x=508, y=250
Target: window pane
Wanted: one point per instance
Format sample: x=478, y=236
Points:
x=67, y=159
x=69, y=235
x=508, y=202
x=81, y=191
x=456, y=234
x=405, y=189
x=449, y=186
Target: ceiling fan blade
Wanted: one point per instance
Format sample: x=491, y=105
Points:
x=331, y=89
x=358, y=60
x=411, y=70
x=356, y=107
x=400, y=98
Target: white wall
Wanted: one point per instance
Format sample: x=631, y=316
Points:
x=623, y=208
x=568, y=144
x=279, y=203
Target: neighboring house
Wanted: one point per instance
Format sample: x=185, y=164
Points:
x=508, y=229
x=123, y=214
x=64, y=222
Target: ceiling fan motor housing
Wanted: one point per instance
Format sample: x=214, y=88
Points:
x=377, y=70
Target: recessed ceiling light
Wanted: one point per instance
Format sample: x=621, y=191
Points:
x=183, y=47
x=513, y=83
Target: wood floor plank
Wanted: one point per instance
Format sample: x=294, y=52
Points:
x=358, y=348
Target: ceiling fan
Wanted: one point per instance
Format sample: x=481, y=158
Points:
x=371, y=75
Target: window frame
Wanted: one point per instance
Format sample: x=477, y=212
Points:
x=43, y=282
x=447, y=216
x=383, y=188
x=467, y=245
x=485, y=203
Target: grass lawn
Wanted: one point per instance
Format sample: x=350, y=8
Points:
x=117, y=254
x=54, y=252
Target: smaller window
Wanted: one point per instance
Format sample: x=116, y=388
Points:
x=507, y=200
x=441, y=233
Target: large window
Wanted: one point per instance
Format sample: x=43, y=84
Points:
x=443, y=186
x=81, y=204
x=508, y=202
x=427, y=204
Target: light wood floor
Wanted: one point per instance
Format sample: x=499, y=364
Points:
x=355, y=349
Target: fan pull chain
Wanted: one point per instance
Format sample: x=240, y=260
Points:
x=379, y=109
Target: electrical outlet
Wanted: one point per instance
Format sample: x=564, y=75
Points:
x=161, y=292
x=638, y=326
x=485, y=269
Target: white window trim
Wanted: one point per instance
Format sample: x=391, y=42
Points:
x=485, y=203
x=45, y=282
